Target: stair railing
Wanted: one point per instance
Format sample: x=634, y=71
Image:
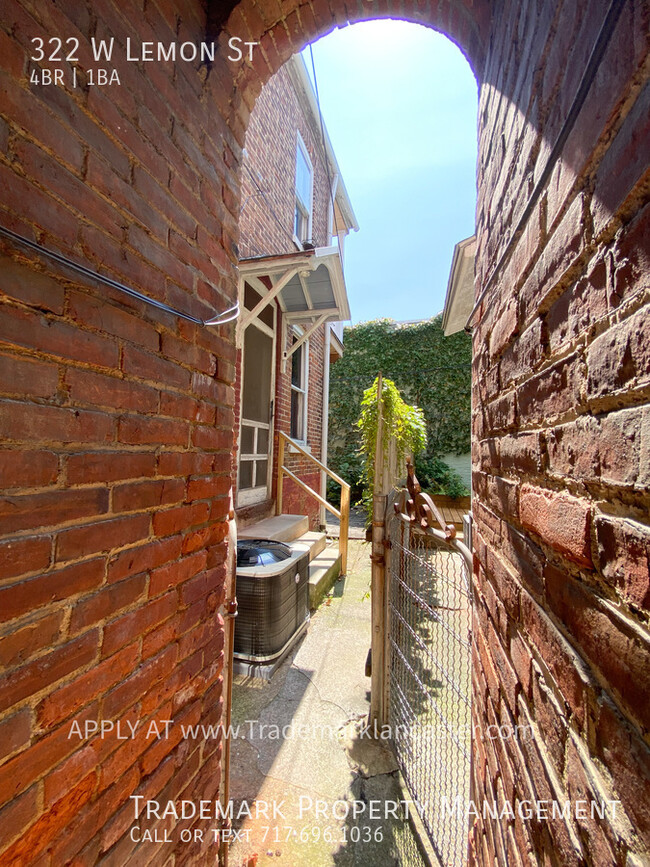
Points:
x=343, y=514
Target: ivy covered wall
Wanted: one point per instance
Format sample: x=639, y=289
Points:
x=430, y=370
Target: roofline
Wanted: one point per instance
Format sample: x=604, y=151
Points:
x=454, y=272
x=300, y=77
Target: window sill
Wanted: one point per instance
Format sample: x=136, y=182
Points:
x=303, y=445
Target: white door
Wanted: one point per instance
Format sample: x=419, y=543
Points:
x=256, y=430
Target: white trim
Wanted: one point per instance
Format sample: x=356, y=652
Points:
x=303, y=342
x=302, y=148
x=325, y=421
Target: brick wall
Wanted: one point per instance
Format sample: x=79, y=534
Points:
x=561, y=473
x=117, y=426
x=118, y=423
x=266, y=222
x=560, y=426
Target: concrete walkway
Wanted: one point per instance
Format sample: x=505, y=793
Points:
x=323, y=767
x=357, y=525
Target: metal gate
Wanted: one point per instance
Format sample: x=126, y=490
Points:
x=428, y=659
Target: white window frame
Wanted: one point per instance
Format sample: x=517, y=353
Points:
x=298, y=203
x=303, y=350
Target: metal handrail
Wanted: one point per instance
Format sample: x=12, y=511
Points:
x=343, y=514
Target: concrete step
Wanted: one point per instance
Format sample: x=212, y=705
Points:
x=323, y=572
x=311, y=541
x=280, y=528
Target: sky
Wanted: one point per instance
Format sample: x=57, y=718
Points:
x=400, y=105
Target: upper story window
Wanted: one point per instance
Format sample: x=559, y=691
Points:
x=304, y=193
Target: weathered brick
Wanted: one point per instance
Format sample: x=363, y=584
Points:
x=605, y=637
x=21, y=683
x=568, y=671
x=144, y=557
x=560, y=520
x=141, y=682
x=620, y=357
x=24, y=555
x=27, y=469
x=85, y=689
x=96, y=389
x=18, y=815
x=20, y=376
x=89, y=467
x=624, y=557
x=166, y=577
x=523, y=356
x=140, y=430
x=25, y=328
x=520, y=454
x=146, y=495
x=100, y=536
x=627, y=759
x=107, y=602
x=29, y=422
x=120, y=631
x=21, y=644
x=178, y=519
x=551, y=393
x=19, y=598
x=579, y=307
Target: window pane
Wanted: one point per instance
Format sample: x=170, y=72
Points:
x=296, y=367
x=260, y=477
x=297, y=405
x=303, y=179
x=247, y=438
x=245, y=475
x=256, y=397
x=262, y=441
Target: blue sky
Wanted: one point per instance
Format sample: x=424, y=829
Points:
x=400, y=105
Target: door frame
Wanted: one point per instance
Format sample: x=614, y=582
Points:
x=253, y=496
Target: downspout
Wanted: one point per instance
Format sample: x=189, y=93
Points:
x=325, y=420
x=229, y=614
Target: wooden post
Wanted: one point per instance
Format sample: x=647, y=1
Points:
x=278, y=498
x=377, y=587
x=344, y=527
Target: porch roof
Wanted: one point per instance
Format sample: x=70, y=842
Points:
x=309, y=284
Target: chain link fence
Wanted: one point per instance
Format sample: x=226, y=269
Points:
x=429, y=683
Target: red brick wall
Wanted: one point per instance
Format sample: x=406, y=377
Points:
x=118, y=423
x=117, y=427
x=266, y=223
x=561, y=474
x=561, y=387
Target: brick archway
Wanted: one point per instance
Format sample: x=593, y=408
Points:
x=562, y=548
x=117, y=419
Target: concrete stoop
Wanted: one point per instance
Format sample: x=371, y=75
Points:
x=323, y=572
x=324, y=562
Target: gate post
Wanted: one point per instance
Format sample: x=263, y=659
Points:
x=377, y=586
x=378, y=595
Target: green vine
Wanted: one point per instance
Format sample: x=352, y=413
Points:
x=403, y=422
x=430, y=370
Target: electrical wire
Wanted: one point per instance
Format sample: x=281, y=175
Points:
x=228, y=315
x=322, y=132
